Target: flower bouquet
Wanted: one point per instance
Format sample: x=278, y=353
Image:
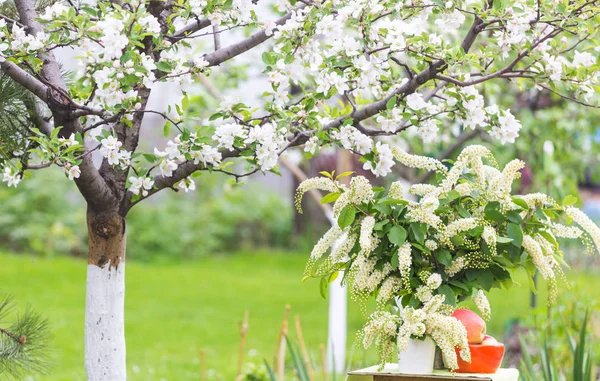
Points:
x=461, y=237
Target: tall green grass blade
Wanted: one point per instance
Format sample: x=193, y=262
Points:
x=270, y=372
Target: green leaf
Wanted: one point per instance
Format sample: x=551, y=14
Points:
x=503, y=261
x=394, y=261
x=163, y=66
x=323, y=287
x=569, y=200
x=167, y=129
x=520, y=202
x=391, y=103
x=344, y=174
x=447, y=291
x=347, y=216
x=444, y=257
x=503, y=240
x=330, y=197
x=484, y=277
x=453, y=195
x=397, y=235
x=492, y=212
x=215, y=116
x=548, y=237
x=384, y=208
x=418, y=230
x=333, y=276
x=514, y=216
x=515, y=232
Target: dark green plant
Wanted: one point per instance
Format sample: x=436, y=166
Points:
x=23, y=342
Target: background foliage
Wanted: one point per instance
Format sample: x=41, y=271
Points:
x=46, y=217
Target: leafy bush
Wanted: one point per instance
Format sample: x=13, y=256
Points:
x=219, y=217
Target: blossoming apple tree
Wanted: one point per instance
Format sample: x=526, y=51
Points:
x=365, y=69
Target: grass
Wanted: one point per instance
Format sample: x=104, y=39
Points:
x=174, y=311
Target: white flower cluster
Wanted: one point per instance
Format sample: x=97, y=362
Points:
x=382, y=327
x=415, y=161
x=320, y=183
x=563, y=231
x=186, y=184
x=390, y=286
x=405, y=262
x=456, y=266
x=447, y=332
x=270, y=141
x=140, y=184
x=367, y=241
x=586, y=224
x=111, y=150
x=326, y=242
x=11, y=176
x=458, y=226
x=396, y=191
x=489, y=236
x=352, y=139
x=364, y=278
x=483, y=304
x=424, y=211
x=542, y=262
x=384, y=161
x=179, y=150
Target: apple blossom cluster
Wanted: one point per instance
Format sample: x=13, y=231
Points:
x=364, y=68
x=63, y=152
x=465, y=234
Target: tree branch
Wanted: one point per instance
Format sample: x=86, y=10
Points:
x=25, y=79
x=224, y=54
x=190, y=29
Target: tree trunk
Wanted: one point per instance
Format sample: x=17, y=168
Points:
x=105, y=298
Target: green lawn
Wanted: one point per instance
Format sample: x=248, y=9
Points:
x=174, y=311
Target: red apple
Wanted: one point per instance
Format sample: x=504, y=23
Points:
x=474, y=324
x=484, y=358
x=489, y=340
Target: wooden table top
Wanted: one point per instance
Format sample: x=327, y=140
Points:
x=390, y=373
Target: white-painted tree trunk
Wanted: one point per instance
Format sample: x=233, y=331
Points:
x=336, y=341
x=105, y=323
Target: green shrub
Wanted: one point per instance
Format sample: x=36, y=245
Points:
x=46, y=216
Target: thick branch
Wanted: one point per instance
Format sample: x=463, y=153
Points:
x=190, y=29
x=28, y=17
x=224, y=54
x=25, y=79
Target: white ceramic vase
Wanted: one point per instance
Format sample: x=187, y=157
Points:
x=418, y=358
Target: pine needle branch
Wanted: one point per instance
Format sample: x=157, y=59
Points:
x=23, y=342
